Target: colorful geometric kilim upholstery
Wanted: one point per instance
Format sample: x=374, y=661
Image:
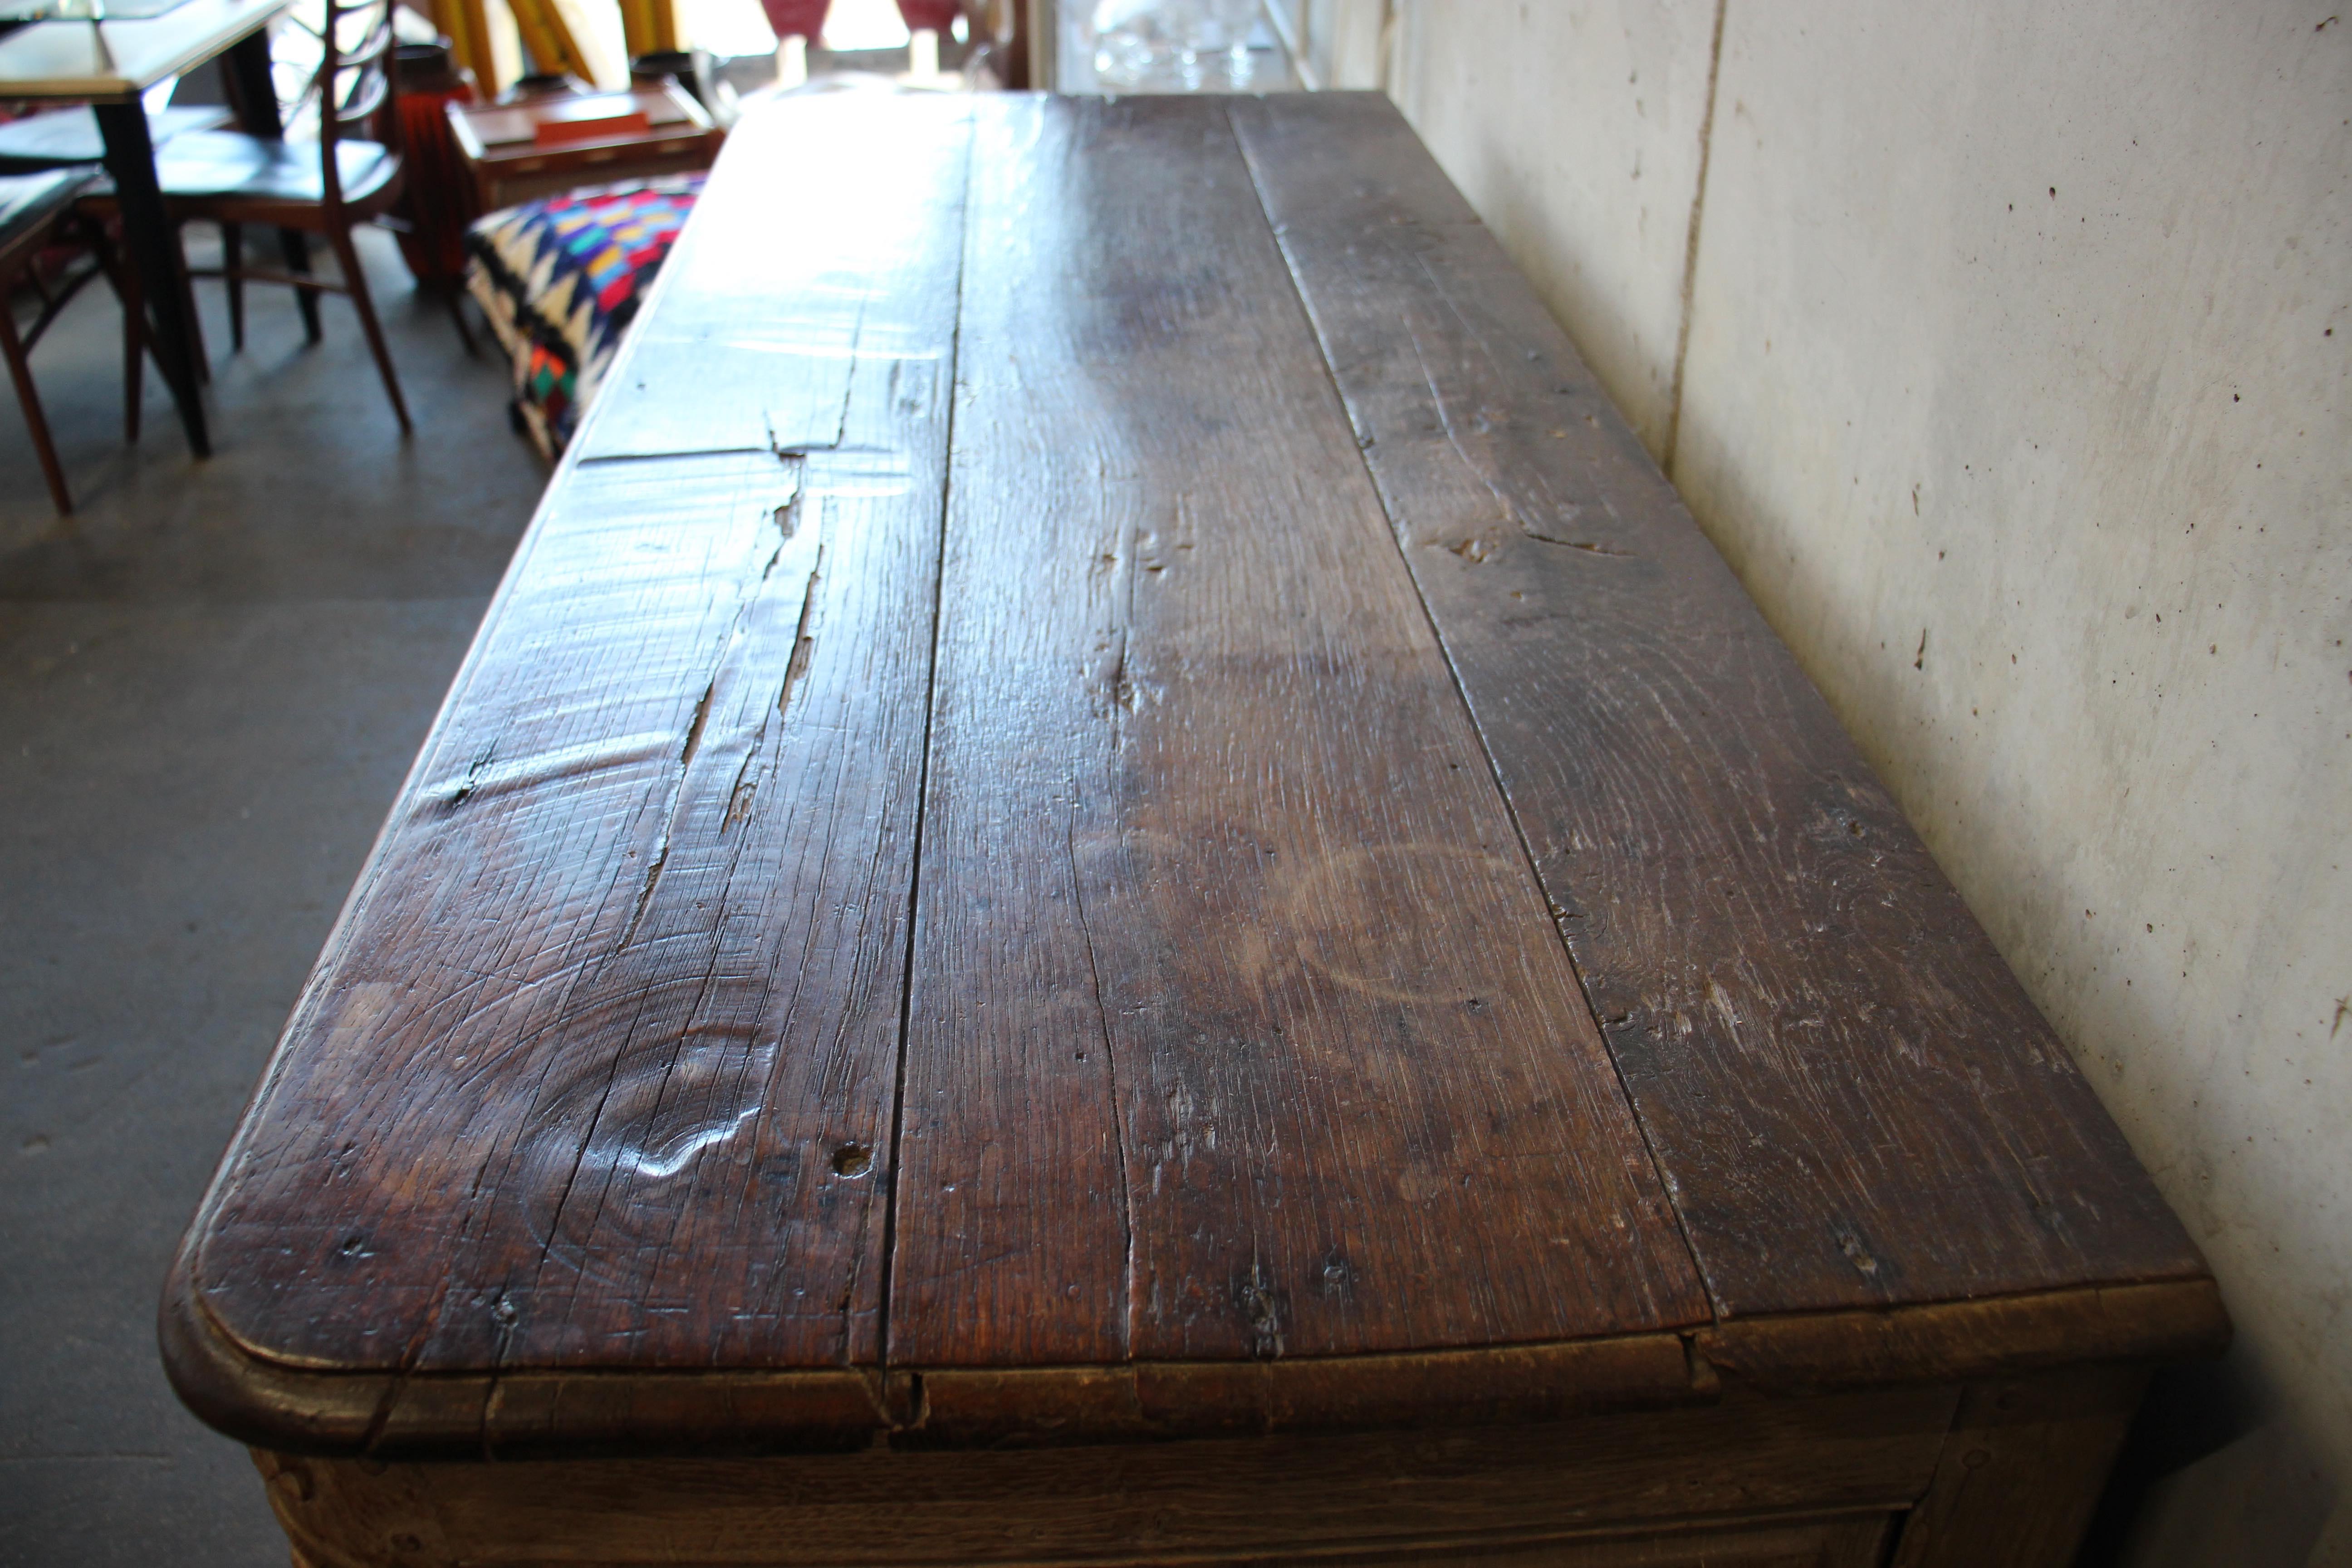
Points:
x=559, y=280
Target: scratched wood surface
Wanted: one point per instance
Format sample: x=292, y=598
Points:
x=1850, y=1095
x=818, y=246
x=615, y=1009
x=1237, y=1026
x=1114, y=761
x=598, y=1066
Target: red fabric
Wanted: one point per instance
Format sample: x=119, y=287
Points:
x=936, y=14
x=805, y=18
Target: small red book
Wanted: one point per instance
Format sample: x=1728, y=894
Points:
x=557, y=133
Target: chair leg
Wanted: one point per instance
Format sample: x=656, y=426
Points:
x=12, y=348
x=347, y=256
x=232, y=261
x=124, y=281
x=197, y=350
x=134, y=373
x=294, y=248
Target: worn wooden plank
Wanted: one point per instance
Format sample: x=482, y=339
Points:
x=1237, y=1027
x=1284, y=1498
x=574, y=1082
x=1424, y=1391
x=1851, y=1097
x=1995, y=1336
x=818, y=246
x=598, y=1068
x=1843, y=1541
x=2020, y=1473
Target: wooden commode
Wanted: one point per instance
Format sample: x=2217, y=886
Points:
x=1115, y=883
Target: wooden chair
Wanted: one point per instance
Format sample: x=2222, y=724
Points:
x=328, y=188
x=36, y=211
x=66, y=137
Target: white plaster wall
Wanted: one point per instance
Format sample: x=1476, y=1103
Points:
x=2023, y=330
x=1573, y=126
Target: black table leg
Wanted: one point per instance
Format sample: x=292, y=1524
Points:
x=155, y=255
x=254, y=92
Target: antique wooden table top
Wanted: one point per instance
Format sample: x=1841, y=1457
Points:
x=1108, y=799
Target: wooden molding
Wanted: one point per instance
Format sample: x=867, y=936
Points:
x=544, y=1413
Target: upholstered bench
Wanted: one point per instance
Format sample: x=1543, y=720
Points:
x=560, y=279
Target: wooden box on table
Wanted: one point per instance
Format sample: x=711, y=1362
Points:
x=1114, y=884
x=597, y=138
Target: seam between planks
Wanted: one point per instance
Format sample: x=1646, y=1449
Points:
x=1110, y=1067
x=923, y=773
x=1461, y=695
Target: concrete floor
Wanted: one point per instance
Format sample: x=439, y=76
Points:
x=212, y=681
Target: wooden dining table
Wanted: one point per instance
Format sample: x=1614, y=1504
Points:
x=1116, y=883
x=108, y=64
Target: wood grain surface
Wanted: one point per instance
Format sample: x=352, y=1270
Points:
x=1852, y=1099
x=827, y=238
x=599, y=1066
x=1237, y=1026
x=2021, y=1470
x=579, y=1079
x=1108, y=803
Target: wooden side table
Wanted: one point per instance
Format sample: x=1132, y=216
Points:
x=511, y=162
x=1115, y=884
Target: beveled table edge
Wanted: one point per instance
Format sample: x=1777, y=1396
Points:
x=555, y=1414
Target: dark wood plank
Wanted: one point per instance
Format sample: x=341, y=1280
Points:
x=1841, y=1540
x=1852, y=1099
x=598, y=1068
x=1285, y=1499
x=817, y=247
x=1237, y=1026
x=2173, y=1319
x=1424, y=1391
x=2021, y=1470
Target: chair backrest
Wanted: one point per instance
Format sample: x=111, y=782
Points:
x=354, y=90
